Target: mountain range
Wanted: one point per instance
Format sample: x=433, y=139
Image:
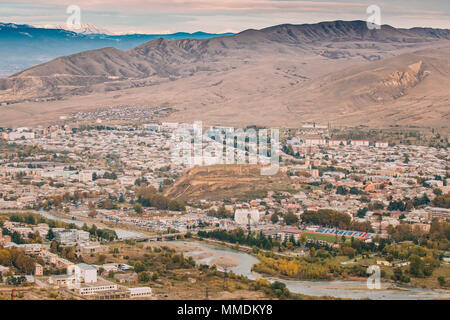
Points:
x=23, y=46
x=284, y=75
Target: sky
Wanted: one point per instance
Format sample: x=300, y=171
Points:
x=218, y=16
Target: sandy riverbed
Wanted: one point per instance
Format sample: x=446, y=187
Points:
x=226, y=261
x=199, y=253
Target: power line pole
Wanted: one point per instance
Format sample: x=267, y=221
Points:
x=225, y=276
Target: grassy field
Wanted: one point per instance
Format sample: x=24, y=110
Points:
x=324, y=237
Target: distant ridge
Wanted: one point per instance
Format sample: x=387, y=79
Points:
x=281, y=74
x=23, y=46
x=164, y=57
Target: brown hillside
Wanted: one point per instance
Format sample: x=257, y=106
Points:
x=226, y=181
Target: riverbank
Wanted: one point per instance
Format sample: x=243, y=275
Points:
x=352, y=288
x=200, y=254
x=121, y=233
x=101, y=224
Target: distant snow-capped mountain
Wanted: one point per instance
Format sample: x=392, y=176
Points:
x=86, y=28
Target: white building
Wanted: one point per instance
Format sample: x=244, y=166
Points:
x=127, y=181
x=85, y=176
x=70, y=236
x=337, y=142
x=110, y=267
x=62, y=280
x=20, y=135
x=90, y=289
x=152, y=126
x=169, y=125
x=140, y=292
x=315, y=141
x=83, y=273
x=360, y=143
x=380, y=144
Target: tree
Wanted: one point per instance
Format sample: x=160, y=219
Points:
x=71, y=255
x=290, y=218
x=29, y=219
x=424, y=200
x=341, y=190
x=416, y=267
x=138, y=208
x=54, y=247
x=108, y=204
x=143, y=277
x=5, y=257
x=399, y=276
x=175, y=205
x=442, y=201
x=362, y=212
x=50, y=235
x=36, y=237
x=302, y=239
x=139, y=267
x=327, y=217
x=15, y=281
x=274, y=218
x=376, y=205
x=16, y=238
x=348, y=251
x=93, y=230
x=101, y=259
x=442, y=281
x=396, y=206
x=279, y=289
x=409, y=205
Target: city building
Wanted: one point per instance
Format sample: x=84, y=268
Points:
x=83, y=273
x=140, y=292
x=38, y=270
x=71, y=236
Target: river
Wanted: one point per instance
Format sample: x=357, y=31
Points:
x=340, y=289
x=121, y=234
x=351, y=289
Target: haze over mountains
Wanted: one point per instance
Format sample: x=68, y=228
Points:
x=23, y=46
x=283, y=75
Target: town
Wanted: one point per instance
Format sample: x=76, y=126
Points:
x=73, y=195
